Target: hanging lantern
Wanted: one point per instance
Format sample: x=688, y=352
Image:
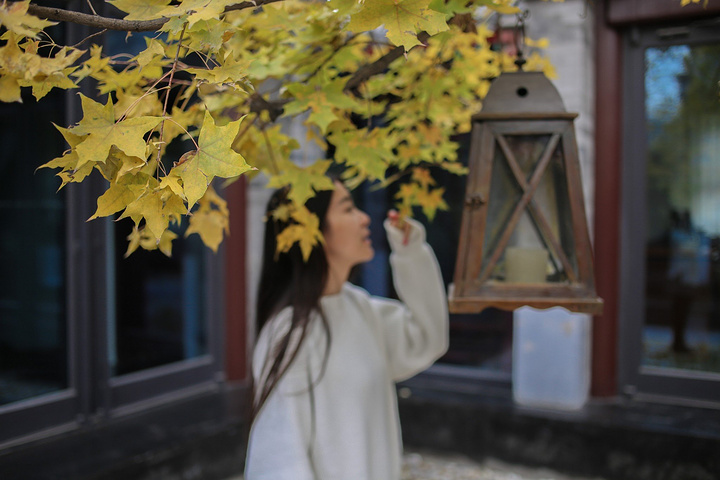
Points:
x=524, y=237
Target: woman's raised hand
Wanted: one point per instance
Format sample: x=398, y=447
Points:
x=398, y=221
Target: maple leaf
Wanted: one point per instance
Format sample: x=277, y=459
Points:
x=304, y=181
x=155, y=207
x=14, y=17
x=9, y=89
x=139, y=237
x=209, y=34
x=154, y=49
x=423, y=177
x=196, y=10
x=324, y=103
x=141, y=9
x=266, y=149
x=431, y=201
x=369, y=153
x=213, y=158
x=122, y=164
x=402, y=19
x=173, y=183
x=129, y=104
x=118, y=196
x=306, y=232
x=68, y=161
x=93, y=65
x=210, y=220
x=102, y=132
x=230, y=72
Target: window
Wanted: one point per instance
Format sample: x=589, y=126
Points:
x=85, y=333
x=671, y=285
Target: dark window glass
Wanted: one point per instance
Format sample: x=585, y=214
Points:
x=33, y=322
x=682, y=109
x=160, y=310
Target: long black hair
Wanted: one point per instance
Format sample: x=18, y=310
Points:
x=288, y=280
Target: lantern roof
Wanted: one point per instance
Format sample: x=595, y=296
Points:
x=522, y=92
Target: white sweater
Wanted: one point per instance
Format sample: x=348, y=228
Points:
x=346, y=425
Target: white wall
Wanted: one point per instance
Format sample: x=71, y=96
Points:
x=569, y=26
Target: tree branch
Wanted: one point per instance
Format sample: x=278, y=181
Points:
x=274, y=108
x=379, y=65
x=97, y=21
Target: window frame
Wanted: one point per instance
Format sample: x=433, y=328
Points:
x=636, y=380
x=92, y=396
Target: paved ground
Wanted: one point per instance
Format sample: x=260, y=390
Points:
x=432, y=466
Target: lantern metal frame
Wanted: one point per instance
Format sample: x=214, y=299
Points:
x=522, y=104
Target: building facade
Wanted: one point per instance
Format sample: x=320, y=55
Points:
x=137, y=368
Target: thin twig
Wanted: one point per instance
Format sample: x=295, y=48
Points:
x=274, y=163
x=167, y=94
x=89, y=37
x=91, y=7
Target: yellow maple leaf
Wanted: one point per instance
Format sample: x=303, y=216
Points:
x=141, y=9
x=102, y=132
x=14, y=17
x=68, y=161
x=402, y=19
x=139, y=237
x=118, y=196
x=9, y=89
x=211, y=220
x=213, y=158
x=304, y=181
x=306, y=232
x=423, y=177
x=431, y=201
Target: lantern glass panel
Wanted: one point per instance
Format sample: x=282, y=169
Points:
x=529, y=233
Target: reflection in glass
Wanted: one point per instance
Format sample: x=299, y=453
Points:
x=33, y=321
x=682, y=316
x=159, y=317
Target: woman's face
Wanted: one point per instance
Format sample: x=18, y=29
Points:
x=347, y=232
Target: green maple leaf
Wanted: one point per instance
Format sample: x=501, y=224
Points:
x=230, y=72
x=213, y=158
x=209, y=34
x=370, y=153
x=402, y=19
x=304, y=181
x=102, y=132
x=324, y=103
x=175, y=25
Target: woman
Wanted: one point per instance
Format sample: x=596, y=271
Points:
x=328, y=354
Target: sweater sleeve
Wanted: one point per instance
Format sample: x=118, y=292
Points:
x=280, y=435
x=415, y=330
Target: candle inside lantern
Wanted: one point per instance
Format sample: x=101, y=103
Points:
x=525, y=265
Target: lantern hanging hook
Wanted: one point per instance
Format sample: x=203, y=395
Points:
x=520, y=38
